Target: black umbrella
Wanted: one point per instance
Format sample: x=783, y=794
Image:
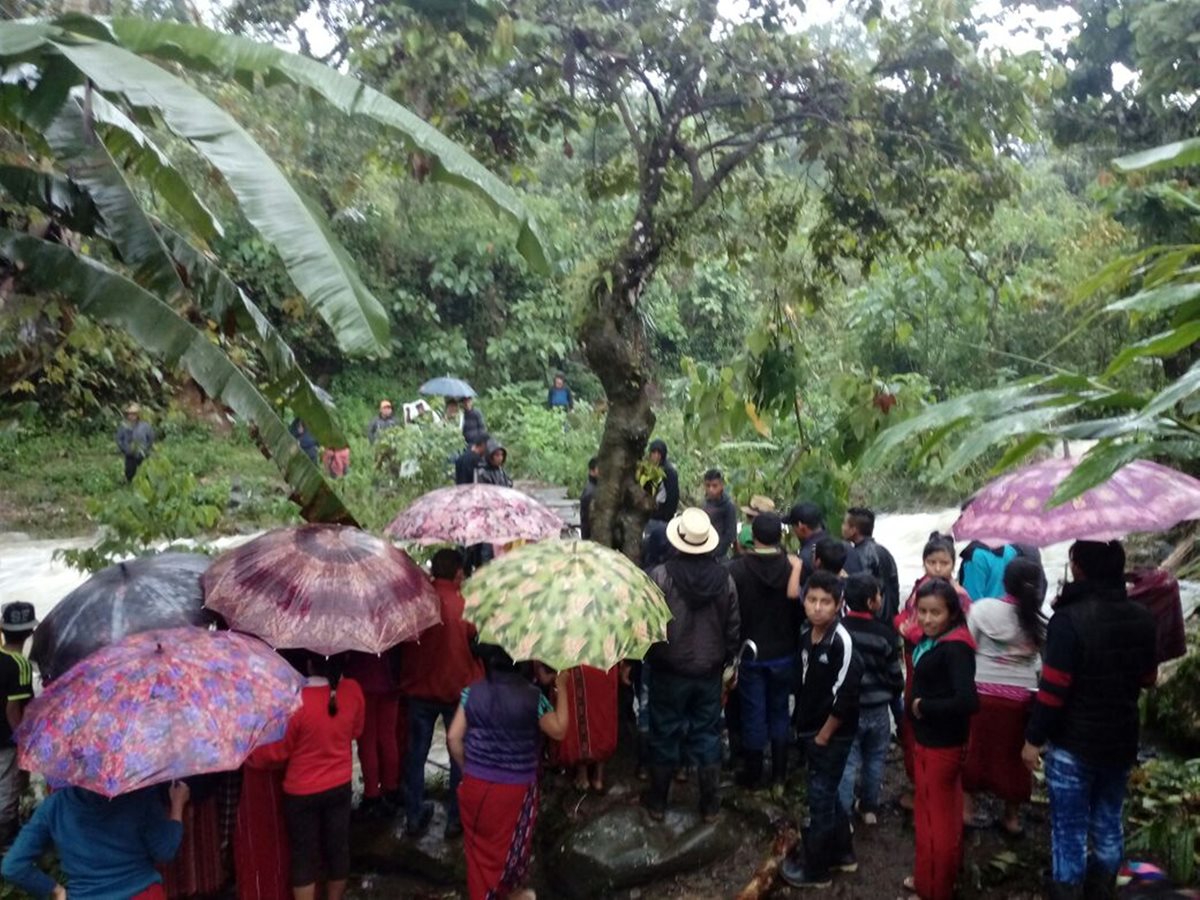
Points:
x=143, y=594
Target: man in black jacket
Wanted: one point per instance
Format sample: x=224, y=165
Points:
x=771, y=619
x=826, y=721
x=858, y=527
x=666, y=497
x=1099, y=654
x=470, y=461
x=721, y=511
x=685, y=683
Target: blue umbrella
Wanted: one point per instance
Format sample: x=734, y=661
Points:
x=447, y=387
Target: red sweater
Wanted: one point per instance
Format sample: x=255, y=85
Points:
x=316, y=749
x=439, y=664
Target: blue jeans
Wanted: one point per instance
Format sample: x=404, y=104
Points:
x=828, y=836
x=864, y=766
x=764, y=689
x=422, y=717
x=685, y=719
x=1084, y=800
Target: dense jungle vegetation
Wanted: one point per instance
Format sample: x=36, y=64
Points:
x=763, y=241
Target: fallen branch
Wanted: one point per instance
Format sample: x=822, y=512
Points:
x=764, y=878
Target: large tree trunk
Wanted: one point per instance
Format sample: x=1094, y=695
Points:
x=614, y=342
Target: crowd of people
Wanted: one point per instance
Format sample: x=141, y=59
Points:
x=806, y=655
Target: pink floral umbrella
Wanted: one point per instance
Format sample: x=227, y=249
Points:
x=1141, y=496
x=326, y=588
x=475, y=514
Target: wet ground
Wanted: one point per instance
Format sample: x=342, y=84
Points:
x=996, y=867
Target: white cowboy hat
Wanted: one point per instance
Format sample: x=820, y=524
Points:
x=692, y=532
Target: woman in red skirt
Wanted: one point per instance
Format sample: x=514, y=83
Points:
x=591, y=737
x=198, y=868
x=943, y=701
x=938, y=560
x=261, y=857
x=496, y=739
x=1009, y=632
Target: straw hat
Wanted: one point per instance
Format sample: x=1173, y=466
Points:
x=133, y=409
x=692, y=532
x=758, y=504
x=385, y=404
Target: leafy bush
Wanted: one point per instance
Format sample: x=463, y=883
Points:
x=1163, y=812
x=163, y=503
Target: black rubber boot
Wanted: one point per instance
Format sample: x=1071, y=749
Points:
x=751, y=776
x=779, y=761
x=1100, y=885
x=654, y=798
x=1060, y=890
x=709, y=778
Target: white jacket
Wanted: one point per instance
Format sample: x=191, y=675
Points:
x=1004, y=654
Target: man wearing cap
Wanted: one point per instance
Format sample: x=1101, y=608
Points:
x=135, y=439
x=17, y=622
x=702, y=637
x=382, y=422
x=771, y=617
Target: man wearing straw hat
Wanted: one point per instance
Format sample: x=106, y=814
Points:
x=685, y=692
x=135, y=439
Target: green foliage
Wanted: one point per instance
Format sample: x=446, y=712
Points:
x=411, y=460
x=164, y=504
x=1163, y=811
x=545, y=445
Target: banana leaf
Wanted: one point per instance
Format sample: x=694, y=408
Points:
x=107, y=296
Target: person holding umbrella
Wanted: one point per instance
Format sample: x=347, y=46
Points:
x=106, y=847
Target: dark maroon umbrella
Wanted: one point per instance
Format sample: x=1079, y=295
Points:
x=326, y=588
x=144, y=594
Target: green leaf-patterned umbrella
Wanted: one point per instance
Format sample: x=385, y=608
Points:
x=567, y=603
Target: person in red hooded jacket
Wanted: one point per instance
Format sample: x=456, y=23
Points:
x=940, y=707
x=433, y=672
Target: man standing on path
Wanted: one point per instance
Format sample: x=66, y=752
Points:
x=135, y=439
x=702, y=637
x=470, y=461
x=1100, y=652
x=721, y=511
x=473, y=427
x=382, y=422
x=858, y=528
x=585, y=499
x=17, y=622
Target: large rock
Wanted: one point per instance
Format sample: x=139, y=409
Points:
x=623, y=847
x=382, y=848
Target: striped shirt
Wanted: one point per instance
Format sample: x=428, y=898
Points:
x=16, y=682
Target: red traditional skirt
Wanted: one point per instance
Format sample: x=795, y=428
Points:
x=498, y=822
x=261, y=858
x=993, y=761
x=197, y=868
x=592, y=733
x=154, y=892
x=937, y=820
x=908, y=742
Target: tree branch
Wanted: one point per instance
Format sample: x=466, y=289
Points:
x=635, y=137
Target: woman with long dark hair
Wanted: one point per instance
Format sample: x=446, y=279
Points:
x=1009, y=632
x=317, y=755
x=496, y=739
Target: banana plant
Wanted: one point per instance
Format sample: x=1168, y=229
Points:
x=1158, y=284
x=75, y=97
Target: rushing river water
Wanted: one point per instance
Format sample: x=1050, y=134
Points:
x=28, y=570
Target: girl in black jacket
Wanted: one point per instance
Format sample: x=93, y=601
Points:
x=943, y=701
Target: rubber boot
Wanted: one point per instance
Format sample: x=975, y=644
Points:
x=1061, y=890
x=779, y=762
x=654, y=798
x=709, y=778
x=1100, y=884
x=752, y=770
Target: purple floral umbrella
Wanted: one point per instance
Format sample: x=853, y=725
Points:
x=1141, y=496
x=325, y=588
x=475, y=514
x=158, y=706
